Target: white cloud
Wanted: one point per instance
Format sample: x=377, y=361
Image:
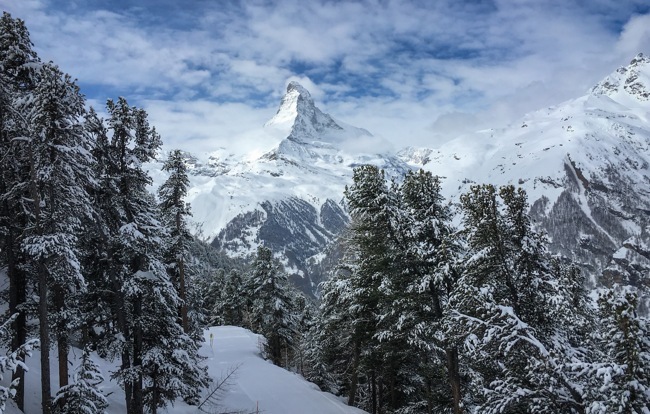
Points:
x=405, y=70
x=635, y=37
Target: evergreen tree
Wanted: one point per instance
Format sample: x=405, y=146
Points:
x=215, y=296
x=59, y=166
x=11, y=363
x=18, y=64
x=417, y=296
x=142, y=300
x=226, y=299
x=620, y=375
x=271, y=307
x=505, y=301
x=172, y=195
x=83, y=394
x=330, y=356
x=369, y=262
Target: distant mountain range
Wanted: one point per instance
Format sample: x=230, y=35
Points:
x=584, y=163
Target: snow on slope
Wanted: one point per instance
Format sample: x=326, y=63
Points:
x=257, y=382
x=609, y=126
x=584, y=163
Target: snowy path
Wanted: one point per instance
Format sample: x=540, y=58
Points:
x=257, y=381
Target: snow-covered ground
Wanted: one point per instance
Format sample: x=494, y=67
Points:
x=256, y=384
x=260, y=383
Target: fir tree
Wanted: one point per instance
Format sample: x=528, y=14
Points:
x=83, y=395
x=271, y=307
x=504, y=302
x=369, y=257
x=11, y=362
x=143, y=302
x=18, y=64
x=620, y=375
x=59, y=166
x=418, y=304
x=172, y=195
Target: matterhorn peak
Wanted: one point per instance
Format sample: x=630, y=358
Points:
x=298, y=116
x=295, y=88
x=631, y=80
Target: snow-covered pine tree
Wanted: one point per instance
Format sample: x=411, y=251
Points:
x=60, y=172
x=175, y=210
x=171, y=366
x=83, y=395
x=368, y=263
x=417, y=307
x=18, y=63
x=620, y=375
x=138, y=303
x=233, y=299
x=330, y=355
x=11, y=362
x=272, y=312
x=505, y=302
x=306, y=315
x=226, y=298
x=214, y=297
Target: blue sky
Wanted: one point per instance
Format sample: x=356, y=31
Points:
x=413, y=72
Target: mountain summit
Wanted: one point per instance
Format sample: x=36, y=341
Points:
x=585, y=165
x=298, y=115
x=632, y=80
x=286, y=193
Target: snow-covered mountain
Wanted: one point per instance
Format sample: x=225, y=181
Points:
x=585, y=164
x=288, y=193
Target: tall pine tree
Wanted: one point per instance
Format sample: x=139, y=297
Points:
x=60, y=172
x=18, y=64
x=271, y=306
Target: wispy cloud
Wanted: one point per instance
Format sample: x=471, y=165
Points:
x=414, y=72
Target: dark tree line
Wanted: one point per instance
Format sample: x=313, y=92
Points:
x=91, y=256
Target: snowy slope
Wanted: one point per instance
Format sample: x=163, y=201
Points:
x=256, y=384
x=585, y=165
x=608, y=126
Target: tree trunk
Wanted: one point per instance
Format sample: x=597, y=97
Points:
x=62, y=340
x=44, y=336
x=155, y=394
x=137, y=357
x=128, y=385
x=119, y=312
x=454, y=378
x=373, y=391
x=17, y=297
x=41, y=268
x=181, y=282
x=354, y=375
x=62, y=350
